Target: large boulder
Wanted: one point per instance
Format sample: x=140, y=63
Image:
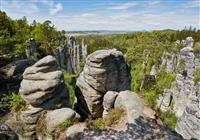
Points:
x=132, y=105
x=43, y=88
x=105, y=70
x=53, y=121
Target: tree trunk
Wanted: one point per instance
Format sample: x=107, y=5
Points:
x=146, y=58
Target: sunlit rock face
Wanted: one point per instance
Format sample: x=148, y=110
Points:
x=105, y=70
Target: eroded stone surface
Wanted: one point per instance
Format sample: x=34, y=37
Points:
x=105, y=70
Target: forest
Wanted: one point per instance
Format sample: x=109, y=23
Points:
x=139, y=49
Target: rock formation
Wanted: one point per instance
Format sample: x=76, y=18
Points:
x=105, y=70
x=31, y=49
x=132, y=104
x=11, y=75
x=63, y=58
x=44, y=90
x=183, y=95
x=188, y=124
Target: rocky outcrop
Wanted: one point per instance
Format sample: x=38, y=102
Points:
x=105, y=70
x=43, y=89
x=188, y=124
x=63, y=58
x=11, y=75
x=182, y=98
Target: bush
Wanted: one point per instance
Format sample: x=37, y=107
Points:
x=96, y=124
x=114, y=115
x=65, y=124
x=163, y=81
x=197, y=49
x=70, y=81
x=12, y=102
x=169, y=119
x=197, y=76
x=16, y=103
x=150, y=97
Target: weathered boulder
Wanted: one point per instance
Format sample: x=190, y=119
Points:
x=131, y=103
x=76, y=131
x=11, y=75
x=108, y=101
x=43, y=88
x=46, y=81
x=56, y=117
x=105, y=70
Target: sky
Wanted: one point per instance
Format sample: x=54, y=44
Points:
x=115, y=15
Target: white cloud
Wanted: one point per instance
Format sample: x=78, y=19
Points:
x=191, y=4
x=48, y=2
x=20, y=6
x=123, y=6
x=56, y=9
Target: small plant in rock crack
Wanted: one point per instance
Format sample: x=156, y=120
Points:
x=67, y=123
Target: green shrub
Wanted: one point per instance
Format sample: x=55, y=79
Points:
x=12, y=102
x=150, y=97
x=163, y=81
x=197, y=49
x=197, y=76
x=16, y=102
x=114, y=115
x=169, y=119
x=96, y=124
x=65, y=124
x=70, y=81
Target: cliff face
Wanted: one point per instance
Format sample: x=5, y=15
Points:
x=183, y=96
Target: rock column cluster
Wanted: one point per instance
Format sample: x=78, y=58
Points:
x=105, y=70
x=31, y=49
x=184, y=94
x=63, y=58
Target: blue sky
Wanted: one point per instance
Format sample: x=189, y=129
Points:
x=108, y=14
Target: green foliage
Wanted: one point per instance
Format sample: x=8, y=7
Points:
x=163, y=81
x=196, y=49
x=114, y=115
x=70, y=81
x=12, y=102
x=65, y=124
x=150, y=97
x=197, y=76
x=169, y=119
x=153, y=88
x=96, y=124
x=14, y=33
x=16, y=103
